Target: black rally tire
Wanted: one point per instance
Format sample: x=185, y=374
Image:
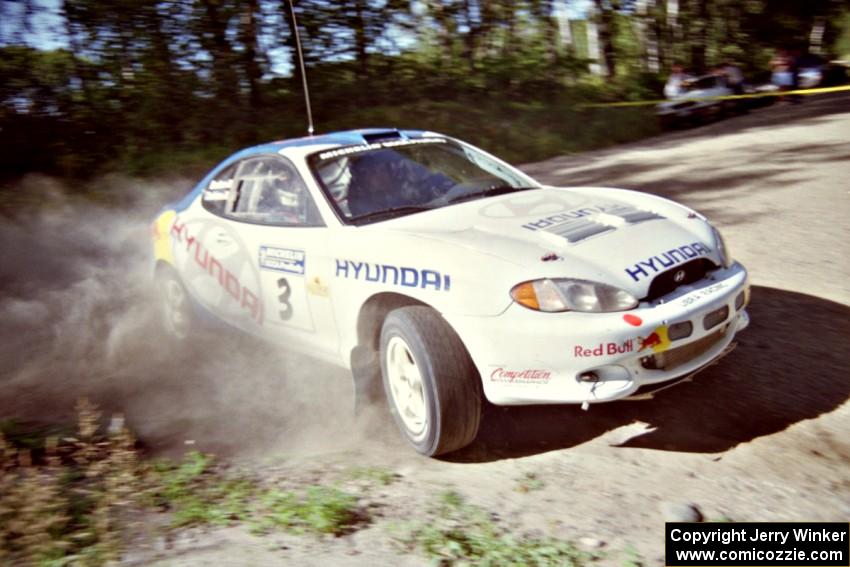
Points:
x=450, y=382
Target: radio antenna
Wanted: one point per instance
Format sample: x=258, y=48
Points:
x=303, y=71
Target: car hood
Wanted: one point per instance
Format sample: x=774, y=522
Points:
x=615, y=236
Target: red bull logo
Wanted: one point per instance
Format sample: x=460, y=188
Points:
x=658, y=340
x=651, y=341
x=604, y=349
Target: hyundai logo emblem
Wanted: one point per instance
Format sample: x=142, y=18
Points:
x=679, y=276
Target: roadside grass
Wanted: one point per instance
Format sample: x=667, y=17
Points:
x=631, y=558
x=71, y=499
x=196, y=492
x=458, y=533
x=529, y=482
x=64, y=504
x=76, y=498
x=320, y=509
x=372, y=475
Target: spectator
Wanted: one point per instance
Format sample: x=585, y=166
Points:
x=782, y=70
x=673, y=87
x=734, y=77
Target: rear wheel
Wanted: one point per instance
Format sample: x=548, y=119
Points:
x=431, y=384
x=176, y=313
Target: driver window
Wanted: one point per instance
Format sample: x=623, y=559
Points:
x=270, y=191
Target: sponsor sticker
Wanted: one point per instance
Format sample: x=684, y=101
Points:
x=657, y=340
x=283, y=259
x=659, y=263
x=237, y=292
x=698, y=296
x=379, y=145
x=316, y=286
x=604, y=349
x=526, y=376
x=404, y=276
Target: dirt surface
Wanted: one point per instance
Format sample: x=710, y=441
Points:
x=761, y=436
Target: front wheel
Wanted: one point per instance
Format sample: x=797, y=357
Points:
x=431, y=384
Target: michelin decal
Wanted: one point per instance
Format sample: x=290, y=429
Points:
x=282, y=259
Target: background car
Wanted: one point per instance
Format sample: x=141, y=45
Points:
x=440, y=272
x=697, y=102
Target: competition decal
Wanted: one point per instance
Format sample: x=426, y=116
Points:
x=247, y=300
x=660, y=262
x=403, y=276
x=579, y=224
x=288, y=260
x=527, y=376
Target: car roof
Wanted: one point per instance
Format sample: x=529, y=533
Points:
x=323, y=141
x=342, y=138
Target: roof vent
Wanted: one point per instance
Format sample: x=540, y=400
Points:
x=381, y=136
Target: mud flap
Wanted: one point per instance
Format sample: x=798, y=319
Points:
x=366, y=372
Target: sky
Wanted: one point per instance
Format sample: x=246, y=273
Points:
x=48, y=27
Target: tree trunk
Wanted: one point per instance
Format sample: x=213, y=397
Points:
x=605, y=32
x=250, y=65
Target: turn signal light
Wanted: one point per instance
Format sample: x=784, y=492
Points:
x=524, y=294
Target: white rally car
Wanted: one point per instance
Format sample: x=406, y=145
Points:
x=427, y=265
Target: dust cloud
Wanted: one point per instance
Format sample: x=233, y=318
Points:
x=79, y=318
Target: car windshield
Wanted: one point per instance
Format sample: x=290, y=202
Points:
x=381, y=180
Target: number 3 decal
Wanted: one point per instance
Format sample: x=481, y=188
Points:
x=283, y=297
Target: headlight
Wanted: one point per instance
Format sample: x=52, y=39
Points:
x=562, y=294
x=722, y=249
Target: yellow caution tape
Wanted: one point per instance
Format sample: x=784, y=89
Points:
x=727, y=97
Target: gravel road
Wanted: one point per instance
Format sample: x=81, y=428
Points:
x=762, y=436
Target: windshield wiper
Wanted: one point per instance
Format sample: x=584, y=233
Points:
x=388, y=213
x=489, y=192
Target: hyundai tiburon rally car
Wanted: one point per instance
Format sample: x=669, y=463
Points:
x=429, y=266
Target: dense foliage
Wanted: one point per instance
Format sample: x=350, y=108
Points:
x=146, y=85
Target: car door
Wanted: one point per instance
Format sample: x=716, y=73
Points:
x=282, y=239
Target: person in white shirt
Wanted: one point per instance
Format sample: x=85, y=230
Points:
x=673, y=87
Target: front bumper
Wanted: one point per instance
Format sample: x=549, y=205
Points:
x=528, y=357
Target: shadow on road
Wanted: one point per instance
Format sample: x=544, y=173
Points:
x=687, y=167
x=790, y=365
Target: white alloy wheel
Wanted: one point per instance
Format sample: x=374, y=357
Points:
x=176, y=310
x=408, y=393
x=432, y=387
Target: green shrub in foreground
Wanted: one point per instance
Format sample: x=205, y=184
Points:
x=462, y=534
